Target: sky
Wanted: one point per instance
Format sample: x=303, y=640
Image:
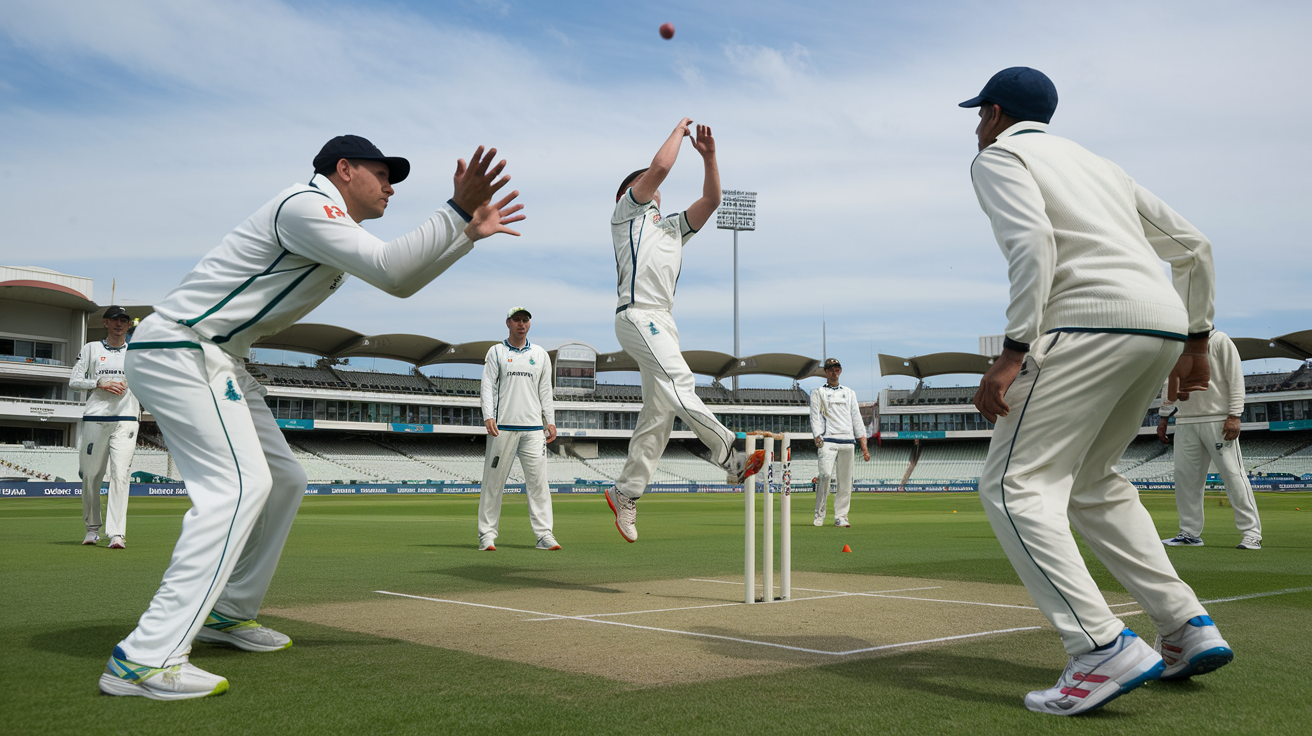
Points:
x=138, y=133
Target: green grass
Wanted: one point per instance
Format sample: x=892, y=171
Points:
x=65, y=606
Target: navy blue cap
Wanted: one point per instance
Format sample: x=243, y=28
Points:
x=114, y=312
x=1021, y=92
x=353, y=146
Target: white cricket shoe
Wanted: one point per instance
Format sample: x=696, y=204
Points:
x=487, y=543
x=740, y=465
x=117, y=542
x=626, y=514
x=178, y=682
x=1183, y=540
x=1194, y=649
x=819, y=521
x=841, y=521
x=1094, y=679
x=548, y=542
x=1250, y=542
x=248, y=635
x=91, y=538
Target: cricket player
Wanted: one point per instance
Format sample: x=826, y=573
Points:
x=1093, y=328
x=107, y=437
x=837, y=427
x=185, y=364
x=1207, y=431
x=648, y=257
x=521, y=420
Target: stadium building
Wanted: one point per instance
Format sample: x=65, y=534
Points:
x=350, y=427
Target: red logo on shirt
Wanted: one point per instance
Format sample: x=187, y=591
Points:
x=102, y=359
x=333, y=212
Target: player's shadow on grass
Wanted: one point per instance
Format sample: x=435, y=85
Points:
x=516, y=577
x=84, y=642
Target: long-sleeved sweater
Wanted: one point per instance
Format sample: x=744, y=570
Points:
x=1224, y=396
x=1084, y=242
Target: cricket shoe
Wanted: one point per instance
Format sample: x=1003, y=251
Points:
x=1250, y=542
x=248, y=635
x=117, y=542
x=179, y=682
x=819, y=521
x=841, y=521
x=487, y=543
x=740, y=465
x=91, y=538
x=626, y=513
x=548, y=542
x=1183, y=540
x=1194, y=649
x=1094, y=679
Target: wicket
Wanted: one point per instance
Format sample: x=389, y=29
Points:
x=785, y=515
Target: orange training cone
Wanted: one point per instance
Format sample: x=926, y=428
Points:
x=847, y=548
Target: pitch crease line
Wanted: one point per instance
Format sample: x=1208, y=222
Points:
x=1286, y=591
x=712, y=636
x=554, y=617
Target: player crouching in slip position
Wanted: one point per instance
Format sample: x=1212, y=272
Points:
x=185, y=365
x=648, y=256
x=836, y=422
x=1093, y=329
x=521, y=420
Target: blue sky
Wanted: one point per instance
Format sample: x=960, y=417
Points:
x=139, y=133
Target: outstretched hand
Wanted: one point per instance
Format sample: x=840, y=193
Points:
x=682, y=127
x=475, y=183
x=490, y=219
x=704, y=142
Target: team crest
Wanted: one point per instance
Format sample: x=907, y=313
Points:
x=231, y=394
x=532, y=362
x=652, y=327
x=1219, y=445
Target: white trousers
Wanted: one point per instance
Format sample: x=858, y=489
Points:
x=1196, y=446
x=106, y=446
x=1078, y=402
x=243, y=481
x=835, y=461
x=531, y=449
x=650, y=337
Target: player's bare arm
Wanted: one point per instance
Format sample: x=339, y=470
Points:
x=701, y=210
x=1192, y=372
x=644, y=188
x=865, y=451
x=989, y=398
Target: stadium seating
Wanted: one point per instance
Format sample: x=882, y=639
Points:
x=950, y=460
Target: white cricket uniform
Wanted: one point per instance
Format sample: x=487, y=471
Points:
x=835, y=418
x=1102, y=328
x=648, y=257
x=517, y=393
x=1200, y=441
x=185, y=364
x=107, y=436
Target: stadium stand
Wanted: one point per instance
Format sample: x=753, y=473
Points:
x=389, y=382
x=950, y=460
x=888, y=462
x=286, y=375
x=928, y=395
x=1140, y=451
x=369, y=459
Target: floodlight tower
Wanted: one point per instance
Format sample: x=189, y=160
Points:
x=737, y=213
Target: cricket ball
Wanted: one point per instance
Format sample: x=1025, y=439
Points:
x=667, y=31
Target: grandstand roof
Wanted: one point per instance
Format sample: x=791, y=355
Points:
x=934, y=364
x=1296, y=345
x=332, y=341
x=45, y=292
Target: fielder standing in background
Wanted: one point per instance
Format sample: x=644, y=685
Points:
x=185, y=362
x=1093, y=328
x=108, y=432
x=648, y=257
x=521, y=420
x=837, y=427
x=1206, y=432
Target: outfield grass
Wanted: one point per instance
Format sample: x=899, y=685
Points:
x=65, y=607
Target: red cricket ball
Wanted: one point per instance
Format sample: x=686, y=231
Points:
x=667, y=31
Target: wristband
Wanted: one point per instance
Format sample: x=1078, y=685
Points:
x=1010, y=344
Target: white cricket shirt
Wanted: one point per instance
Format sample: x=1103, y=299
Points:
x=516, y=387
x=292, y=254
x=1224, y=396
x=1084, y=242
x=835, y=414
x=99, y=362
x=648, y=253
